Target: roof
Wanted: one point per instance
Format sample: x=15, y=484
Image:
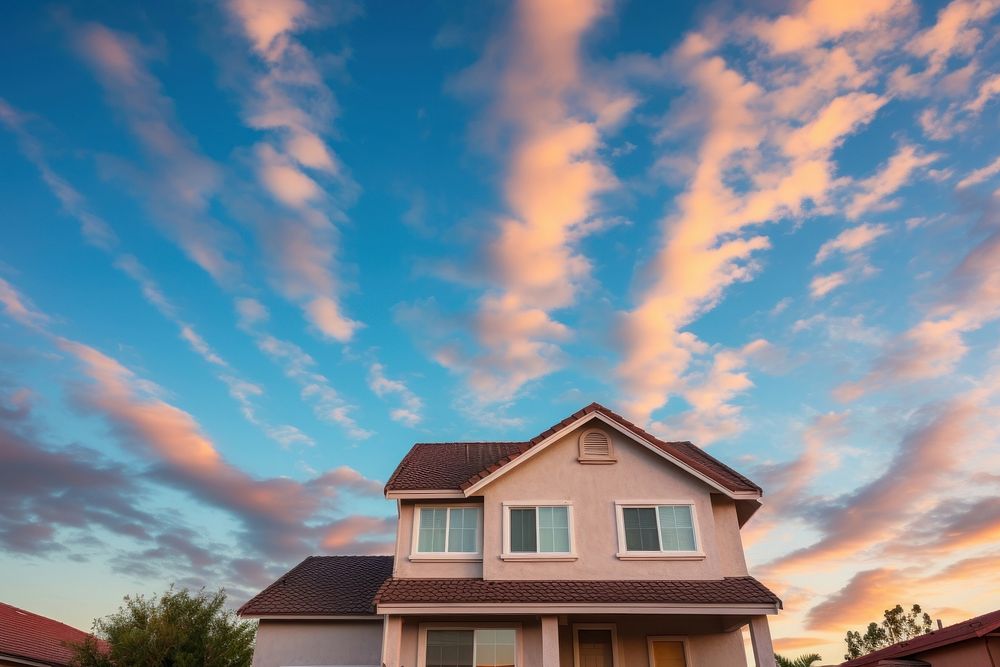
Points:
x=32, y=637
x=730, y=590
x=972, y=628
x=324, y=586
x=459, y=465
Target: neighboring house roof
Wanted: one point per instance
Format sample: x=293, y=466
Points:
x=28, y=636
x=324, y=586
x=459, y=465
x=731, y=590
x=973, y=628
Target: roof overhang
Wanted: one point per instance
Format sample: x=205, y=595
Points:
x=424, y=494
x=312, y=617
x=439, y=609
x=537, y=448
x=13, y=659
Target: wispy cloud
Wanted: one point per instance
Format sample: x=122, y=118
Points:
x=409, y=413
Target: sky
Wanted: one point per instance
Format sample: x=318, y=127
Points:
x=250, y=252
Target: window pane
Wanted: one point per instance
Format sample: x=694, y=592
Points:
x=553, y=529
x=640, y=529
x=432, y=530
x=522, y=530
x=449, y=648
x=495, y=648
x=463, y=528
x=677, y=528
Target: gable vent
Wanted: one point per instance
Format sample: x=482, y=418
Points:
x=595, y=447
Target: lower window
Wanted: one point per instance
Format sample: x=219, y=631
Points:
x=481, y=647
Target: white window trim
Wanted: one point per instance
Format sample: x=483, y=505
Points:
x=625, y=554
x=595, y=626
x=509, y=555
x=424, y=627
x=669, y=638
x=416, y=555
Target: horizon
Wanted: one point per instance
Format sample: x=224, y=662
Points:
x=250, y=255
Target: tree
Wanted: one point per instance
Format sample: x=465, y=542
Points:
x=801, y=661
x=897, y=625
x=176, y=629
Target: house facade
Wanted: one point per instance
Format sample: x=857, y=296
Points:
x=594, y=544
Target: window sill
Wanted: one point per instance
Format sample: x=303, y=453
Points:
x=459, y=558
x=660, y=555
x=543, y=557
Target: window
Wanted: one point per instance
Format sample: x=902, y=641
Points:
x=667, y=652
x=538, y=530
x=653, y=528
x=480, y=647
x=452, y=530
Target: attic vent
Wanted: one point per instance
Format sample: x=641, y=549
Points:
x=595, y=447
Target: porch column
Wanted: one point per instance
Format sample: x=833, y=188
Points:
x=550, y=641
x=392, y=637
x=760, y=638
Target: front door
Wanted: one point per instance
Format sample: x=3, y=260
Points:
x=595, y=647
x=666, y=653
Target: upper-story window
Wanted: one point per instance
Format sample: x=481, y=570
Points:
x=538, y=530
x=448, y=530
x=657, y=529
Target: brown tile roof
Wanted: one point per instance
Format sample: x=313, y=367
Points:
x=970, y=629
x=459, y=465
x=324, y=586
x=28, y=636
x=731, y=590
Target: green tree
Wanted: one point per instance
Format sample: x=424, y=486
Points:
x=897, y=625
x=801, y=661
x=176, y=629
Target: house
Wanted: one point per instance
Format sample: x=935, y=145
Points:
x=971, y=643
x=594, y=544
x=30, y=639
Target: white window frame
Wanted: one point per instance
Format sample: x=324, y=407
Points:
x=507, y=554
x=625, y=554
x=613, y=627
x=669, y=638
x=417, y=555
x=424, y=627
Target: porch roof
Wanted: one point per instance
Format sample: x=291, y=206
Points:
x=727, y=591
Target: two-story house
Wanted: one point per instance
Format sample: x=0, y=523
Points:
x=594, y=544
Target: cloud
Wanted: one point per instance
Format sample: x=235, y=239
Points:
x=820, y=286
x=850, y=241
x=989, y=89
x=820, y=21
x=893, y=175
x=180, y=193
x=977, y=176
x=290, y=104
x=552, y=117
x=861, y=600
x=412, y=406
x=20, y=308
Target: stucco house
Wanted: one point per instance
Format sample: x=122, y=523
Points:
x=594, y=544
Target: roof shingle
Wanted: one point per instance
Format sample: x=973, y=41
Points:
x=730, y=590
x=459, y=465
x=324, y=586
x=32, y=637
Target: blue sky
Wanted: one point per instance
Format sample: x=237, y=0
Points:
x=252, y=252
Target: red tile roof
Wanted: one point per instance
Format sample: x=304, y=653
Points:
x=324, y=586
x=29, y=636
x=459, y=465
x=979, y=626
x=731, y=590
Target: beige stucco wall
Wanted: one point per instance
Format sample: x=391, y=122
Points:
x=969, y=653
x=293, y=643
x=555, y=474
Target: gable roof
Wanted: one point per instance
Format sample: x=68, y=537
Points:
x=323, y=586
x=980, y=626
x=730, y=590
x=29, y=636
x=457, y=466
